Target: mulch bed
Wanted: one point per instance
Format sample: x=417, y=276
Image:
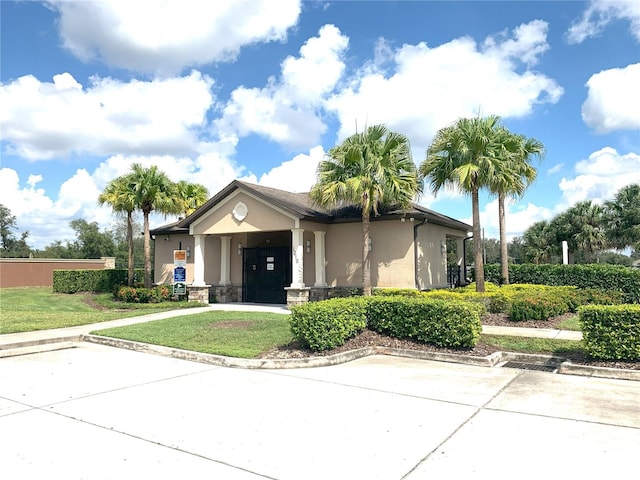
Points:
x=368, y=338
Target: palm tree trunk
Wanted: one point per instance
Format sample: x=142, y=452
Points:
x=366, y=261
x=147, y=252
x=504, y=254
x=477, y=241
x=130, y=263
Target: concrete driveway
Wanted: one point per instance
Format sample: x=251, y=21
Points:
x=97, y=412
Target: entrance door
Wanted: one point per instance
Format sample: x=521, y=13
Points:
x=265, y=274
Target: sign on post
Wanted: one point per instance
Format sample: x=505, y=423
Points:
x=179, y=275
x=180, y=288
x=179, y=258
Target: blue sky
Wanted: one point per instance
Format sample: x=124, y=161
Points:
x=260, y=90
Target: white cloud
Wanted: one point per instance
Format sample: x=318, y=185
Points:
x=165, y=37
x=50, y=120
x=286, y=110
x=518, y=218
x=432, y=87
x=600, y=176
x=295, y=175
x=609, y=105
x=600, y=13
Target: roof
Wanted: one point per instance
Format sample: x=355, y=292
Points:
x=299, y=205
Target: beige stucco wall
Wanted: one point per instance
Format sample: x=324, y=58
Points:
x=391, y=254
x=260, y=217
x=432, y=260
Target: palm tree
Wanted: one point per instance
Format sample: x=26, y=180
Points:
x=622, y=217
x=513, y=175
x=582, y=226
x=538, y=242
x=121, y=198
x=191, y=196
x=369, y=170
x=465, y=156
x=153, y=191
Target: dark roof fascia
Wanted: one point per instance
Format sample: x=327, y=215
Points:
x=167, y=229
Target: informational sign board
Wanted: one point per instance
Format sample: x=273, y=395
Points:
x=179, y=258
x=179, y=288
x=179, y=275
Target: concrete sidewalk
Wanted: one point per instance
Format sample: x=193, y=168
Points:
x=95, y=412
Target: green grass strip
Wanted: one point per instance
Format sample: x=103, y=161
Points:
x=233, y=334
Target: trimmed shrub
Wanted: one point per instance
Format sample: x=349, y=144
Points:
x=611, y=332
x=73, y=281
x=615, y=278
x=539, y=306
x=328, y=324
x=437, y=322
x=393, y=292
x=161, y=293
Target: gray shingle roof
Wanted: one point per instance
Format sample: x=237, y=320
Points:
x=300, y=206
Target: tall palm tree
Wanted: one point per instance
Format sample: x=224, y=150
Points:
x=369, y=170
x=191, y=196
x=153, y=191
x=465, y=156
x=514, y=173
x=582, y=227
x=121, y=198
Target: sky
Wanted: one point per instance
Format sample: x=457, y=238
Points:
x=261, y=90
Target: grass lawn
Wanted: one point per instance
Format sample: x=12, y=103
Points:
x=248, y=334
x=38, y=308
x=233, y=334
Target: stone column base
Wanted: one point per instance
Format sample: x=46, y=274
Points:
x=297, y=295
x=199, y=293
x=318, y=294
x=227, y=293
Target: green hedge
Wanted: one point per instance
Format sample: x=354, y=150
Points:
x=437, y=322
x=611, y=332
x=328, y=324
x=595, y=276
x=99, y=281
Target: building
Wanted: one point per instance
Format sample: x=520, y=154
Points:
x=257, y=244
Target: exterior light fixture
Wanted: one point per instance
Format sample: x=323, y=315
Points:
x=239, y=249
x=188, y=251
x=308, y=246
x=443, y=246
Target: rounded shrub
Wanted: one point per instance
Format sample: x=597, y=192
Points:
x=328, y=324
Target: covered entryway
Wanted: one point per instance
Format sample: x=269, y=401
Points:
x=266, y=271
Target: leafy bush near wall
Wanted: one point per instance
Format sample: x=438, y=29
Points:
x=99, y=281
x=611, y=332
x=161, y=293
x=328, y=324
x=437, y=322
x=614, y=278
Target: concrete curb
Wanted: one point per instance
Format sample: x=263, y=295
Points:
x=496, y=359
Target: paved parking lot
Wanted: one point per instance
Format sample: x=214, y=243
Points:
x=97, y=412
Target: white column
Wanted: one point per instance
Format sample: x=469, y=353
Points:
x=320, y=254
x=225, y=260
x=297, y=258
x=198, y=261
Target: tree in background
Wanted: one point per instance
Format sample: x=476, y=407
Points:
x=119, y=195
x=368, y=170
x=582, y=227
x=10, y=246
x=538, y=242
x=191, y=196
x=465, y=157
x=622, y=218
x=91, y=242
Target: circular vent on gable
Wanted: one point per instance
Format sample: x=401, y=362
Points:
x=240, y=211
